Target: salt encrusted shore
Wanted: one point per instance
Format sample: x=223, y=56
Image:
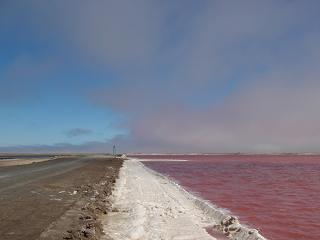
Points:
x=147, y=205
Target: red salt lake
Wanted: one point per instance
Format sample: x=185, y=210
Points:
x=279, y=195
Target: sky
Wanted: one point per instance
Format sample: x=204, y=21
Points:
x=160, y=76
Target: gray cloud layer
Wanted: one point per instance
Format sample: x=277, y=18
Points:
x=219, y=76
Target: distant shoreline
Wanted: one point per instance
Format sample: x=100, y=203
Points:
x=221, y=154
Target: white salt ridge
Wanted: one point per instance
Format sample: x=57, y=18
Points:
x=163, y=160
x=148, y=205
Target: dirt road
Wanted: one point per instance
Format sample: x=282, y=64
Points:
x=34, y=198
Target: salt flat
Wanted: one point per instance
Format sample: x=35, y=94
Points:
x=148, y=206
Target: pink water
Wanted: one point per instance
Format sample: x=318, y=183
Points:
x=279, y=195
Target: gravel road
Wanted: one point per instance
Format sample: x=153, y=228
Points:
x=35, y=198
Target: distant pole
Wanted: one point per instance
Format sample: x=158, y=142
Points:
x=114, y=150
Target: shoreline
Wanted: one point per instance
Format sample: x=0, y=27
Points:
x=22, y=161
x=159, y=208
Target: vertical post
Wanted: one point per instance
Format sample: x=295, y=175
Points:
x=114, y=150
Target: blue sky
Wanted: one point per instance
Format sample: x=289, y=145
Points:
x=159, y=76
x=48, y=122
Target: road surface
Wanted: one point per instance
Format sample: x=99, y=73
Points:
x=35, y=195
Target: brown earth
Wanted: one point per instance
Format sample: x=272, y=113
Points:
x=56, y=199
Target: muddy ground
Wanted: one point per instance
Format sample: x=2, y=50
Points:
x=57, y=199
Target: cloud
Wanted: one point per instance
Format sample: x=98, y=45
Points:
x=214, y=76
x=87, y=147
x=75, y=132
x=253, y=47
